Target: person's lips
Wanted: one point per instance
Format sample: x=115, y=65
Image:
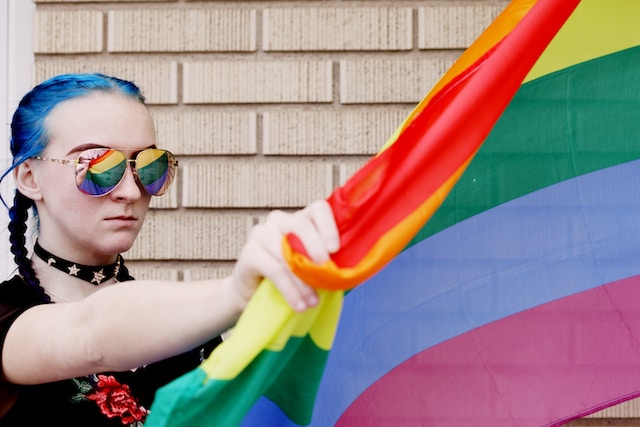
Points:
x=122, y=219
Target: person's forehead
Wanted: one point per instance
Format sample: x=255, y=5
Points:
x=106, y=119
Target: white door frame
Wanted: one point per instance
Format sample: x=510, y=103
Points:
x=16, y=70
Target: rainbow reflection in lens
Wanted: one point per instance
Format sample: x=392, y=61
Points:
x=100, y=170
x=155, y=169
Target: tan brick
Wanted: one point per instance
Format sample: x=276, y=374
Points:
x=153, y=273
x=588, y=422
x=101, y=1
x=624, y=410
x=255, y=184
x=329, y=132
x=67, y=31
x=196, y=30
x=254, y=81
x=190, y=236
x=378, y=81
x=357, y=28
x=213, y=272
x=157, y=79
x=454, y=26
x=206, y=131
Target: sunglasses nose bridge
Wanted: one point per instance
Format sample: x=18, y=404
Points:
x=132, y=164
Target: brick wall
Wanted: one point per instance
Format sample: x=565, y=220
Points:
x=267, y=104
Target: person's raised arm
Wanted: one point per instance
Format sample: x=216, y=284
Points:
x=135, y=323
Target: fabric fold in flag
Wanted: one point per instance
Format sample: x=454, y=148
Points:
x=378, y=211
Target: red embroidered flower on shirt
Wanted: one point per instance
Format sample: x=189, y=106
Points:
x=116, y=400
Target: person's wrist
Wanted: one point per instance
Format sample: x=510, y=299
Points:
x=238, y=299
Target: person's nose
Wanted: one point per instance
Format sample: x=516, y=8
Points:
x=128, y=189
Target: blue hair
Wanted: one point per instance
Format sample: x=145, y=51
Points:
x=29, y=135
x=29, y=138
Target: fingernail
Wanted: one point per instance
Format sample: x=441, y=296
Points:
x=312, y=300
x=301, y=306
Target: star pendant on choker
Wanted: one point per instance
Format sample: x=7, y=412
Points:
x=73, y=270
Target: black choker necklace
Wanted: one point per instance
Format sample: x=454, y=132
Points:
x=89, y=273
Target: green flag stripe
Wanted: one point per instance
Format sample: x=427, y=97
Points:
x=557, y=127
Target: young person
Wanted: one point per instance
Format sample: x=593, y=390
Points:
x=78, y=347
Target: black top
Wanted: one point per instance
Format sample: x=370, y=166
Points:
x=109, y=399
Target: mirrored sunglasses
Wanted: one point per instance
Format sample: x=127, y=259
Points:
x=100, y=170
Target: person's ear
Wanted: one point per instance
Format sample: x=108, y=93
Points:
x=26, y=181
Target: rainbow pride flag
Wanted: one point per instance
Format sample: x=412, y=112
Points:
x=517, y=303
x=513, y=304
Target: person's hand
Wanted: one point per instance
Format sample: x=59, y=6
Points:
x=262, y=255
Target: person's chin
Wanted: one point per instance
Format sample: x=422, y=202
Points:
x=123, y=241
